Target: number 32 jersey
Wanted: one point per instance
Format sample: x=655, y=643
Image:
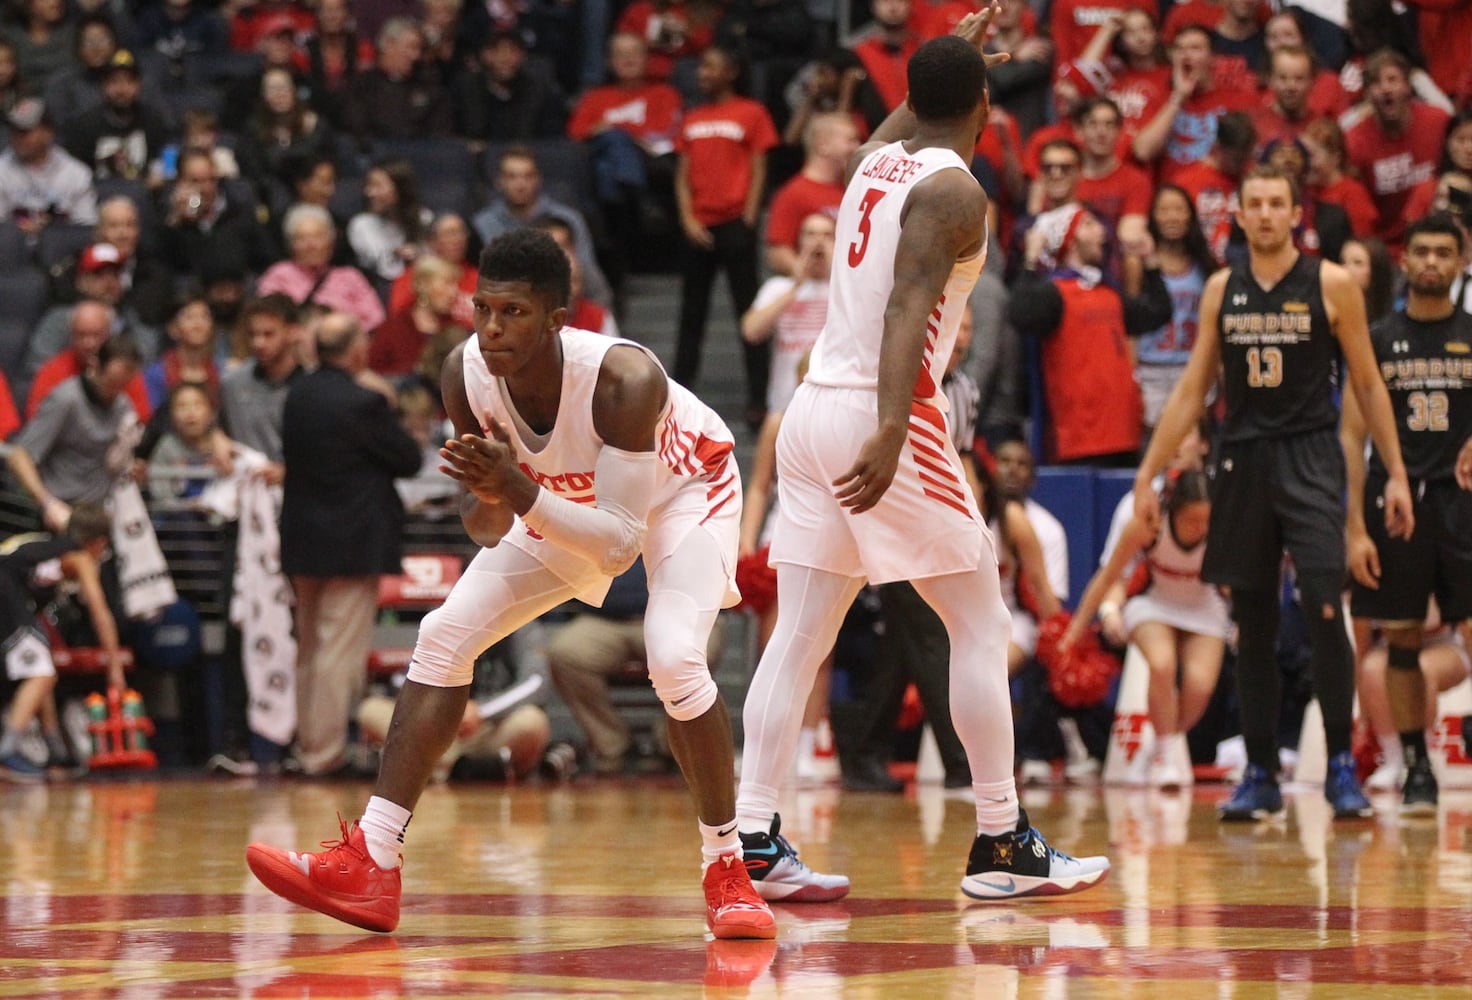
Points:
x=1279, y=356
x=1427, y=367
x=865, y=245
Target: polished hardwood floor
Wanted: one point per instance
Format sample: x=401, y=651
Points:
x=138, y=888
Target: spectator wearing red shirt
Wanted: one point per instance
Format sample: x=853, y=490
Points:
x=1456, y=158
x=830, y=140
x=1212, y=183
x=1095, y=414
x=721, y=171
x=1118, y=193
x=672, y=31
x=1074, y=23
x=886, y=53
x=448, y=239
x=628, y=126
x=1326, y=96
x=1329, y=183
x=1398, y=145
x=91, y=327
x=1184, y=129
x=1285, y=109
x=1445, y=27
x=398, y=343
x=1125, y=62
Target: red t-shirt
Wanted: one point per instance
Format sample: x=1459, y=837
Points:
x=649, y=112
x=1350, y=195
x=1327, y=97
x=1203, y=14
x=795, y=201
x=718, y=142
x=1215, y=197
x=1126, y=190
x=669, y=34
x=1074, y=23
x=1269, y=124
x=1140, y=93
x=396, y=344
x=66, y=365
x=1032, y=155
x=1392, y=165
x=886, y=67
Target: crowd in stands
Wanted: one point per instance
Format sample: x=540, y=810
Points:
x=187, y=187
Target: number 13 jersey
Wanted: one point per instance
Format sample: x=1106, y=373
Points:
x=865, y=248
x=1279, y=356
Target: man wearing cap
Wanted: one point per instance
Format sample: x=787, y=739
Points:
x=1094, y=407
x=99, y=281
x=39, y=182
x=120, y=136
x=148, y=283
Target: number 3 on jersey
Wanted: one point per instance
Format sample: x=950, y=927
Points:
x=860, y=246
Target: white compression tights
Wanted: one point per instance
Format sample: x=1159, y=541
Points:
x=811, y=607
x=685, y=594
x=503, y=588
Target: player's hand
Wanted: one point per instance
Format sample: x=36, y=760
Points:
x=1147, y=506
x=482, y=465
x=1364, y=559
x=698, y=234
x=866, y=481
x=1464, y=465
x=1400, y=520
x=1111, y=626
x=976, y=26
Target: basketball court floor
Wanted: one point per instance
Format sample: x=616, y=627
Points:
x=138, y=889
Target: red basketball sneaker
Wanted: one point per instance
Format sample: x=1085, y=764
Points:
x=732, y=907
x=342, y=881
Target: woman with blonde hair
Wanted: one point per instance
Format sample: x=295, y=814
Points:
x=400, y=340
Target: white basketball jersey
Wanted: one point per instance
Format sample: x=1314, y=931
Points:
x=865, y=246
x=695, y=447
x=1175, y=573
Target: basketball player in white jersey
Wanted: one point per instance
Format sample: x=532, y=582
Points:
x=870, y=484
x=578, y=453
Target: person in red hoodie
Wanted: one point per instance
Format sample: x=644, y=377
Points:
x=1095, y=415
x=718, y=186
x=887, y=52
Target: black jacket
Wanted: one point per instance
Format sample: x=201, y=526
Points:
x=342, y=447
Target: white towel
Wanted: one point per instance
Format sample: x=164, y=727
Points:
x=143, y=573
x=260, y=605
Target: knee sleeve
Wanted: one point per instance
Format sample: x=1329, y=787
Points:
x=675, y=634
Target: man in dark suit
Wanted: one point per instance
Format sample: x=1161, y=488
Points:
x=340, y=529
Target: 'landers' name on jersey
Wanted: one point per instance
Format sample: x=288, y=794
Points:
x=894, y=169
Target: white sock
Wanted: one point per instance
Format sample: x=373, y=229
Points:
x=996, y=807
x=1392, y=750
x=383, y=825
x=754, y=821
x=718, y=840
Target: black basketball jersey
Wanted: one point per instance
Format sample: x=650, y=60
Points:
x=1427, y=366
x=1278, y=354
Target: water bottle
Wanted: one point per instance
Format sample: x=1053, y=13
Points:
x=134, y=738
x=96, y=720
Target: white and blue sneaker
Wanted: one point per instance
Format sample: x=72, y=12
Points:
x=1022, y=863
x=780, y=876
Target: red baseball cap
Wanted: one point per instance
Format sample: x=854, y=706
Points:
x=98, y=256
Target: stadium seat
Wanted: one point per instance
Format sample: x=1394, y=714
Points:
x=15, y=249
x=23, y=298
x=60, y=242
